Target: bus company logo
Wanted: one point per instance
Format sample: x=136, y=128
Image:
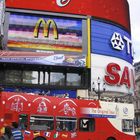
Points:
x=117, y=41
x=62, y=3
x=42, y=107
x=46, y=28
x=125, y=110
x=69, y=110
x=17, y=105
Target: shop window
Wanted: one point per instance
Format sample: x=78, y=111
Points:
x=41, y=78
x=30, y=77
x=13, y=76
x=46, y=78
x=57, y=78
x=73, y=79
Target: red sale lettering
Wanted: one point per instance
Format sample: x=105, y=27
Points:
x=125, y=77
x=116, y=76
x=113, y=76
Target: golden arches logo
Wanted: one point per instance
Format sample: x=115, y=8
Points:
x=46, y=28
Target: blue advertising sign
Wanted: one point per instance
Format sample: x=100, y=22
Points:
x=57, y=93
x=110, y=40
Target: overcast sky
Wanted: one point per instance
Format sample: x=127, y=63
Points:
x=134, y=7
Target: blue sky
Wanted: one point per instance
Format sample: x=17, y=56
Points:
x=134, y=7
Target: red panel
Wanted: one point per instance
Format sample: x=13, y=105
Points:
x=114, y=10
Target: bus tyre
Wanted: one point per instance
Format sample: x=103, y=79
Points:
x=111, y=138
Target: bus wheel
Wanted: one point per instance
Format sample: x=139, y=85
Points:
x=39, y=138
x=111, y=138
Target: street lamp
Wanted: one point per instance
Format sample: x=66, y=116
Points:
x=99, y=91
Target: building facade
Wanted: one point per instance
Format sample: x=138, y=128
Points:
x=137, y=96
x=55, y=48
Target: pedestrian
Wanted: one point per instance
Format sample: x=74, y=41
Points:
x=17, y=134
x=66, y=95
x=7, y=134
x=78, y=97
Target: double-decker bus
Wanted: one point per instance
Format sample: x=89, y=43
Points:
x=49, y=118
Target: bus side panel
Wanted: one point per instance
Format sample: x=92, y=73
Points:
x=105, y=130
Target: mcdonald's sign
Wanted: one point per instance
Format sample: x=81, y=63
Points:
x=44, y=33
x=46, y=28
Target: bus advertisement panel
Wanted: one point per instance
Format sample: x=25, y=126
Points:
x=49, y=118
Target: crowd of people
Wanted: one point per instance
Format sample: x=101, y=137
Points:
x=12, y=132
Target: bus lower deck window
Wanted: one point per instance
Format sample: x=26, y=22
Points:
x=41, y=122
x=66, y=124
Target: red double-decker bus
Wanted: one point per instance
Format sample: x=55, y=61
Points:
x=49, y=118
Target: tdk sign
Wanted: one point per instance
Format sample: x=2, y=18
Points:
x=117, y=42
x=110, y=40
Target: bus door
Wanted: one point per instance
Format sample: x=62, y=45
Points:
x=23, y=121
x=86, y=128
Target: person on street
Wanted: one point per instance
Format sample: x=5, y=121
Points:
x=17, y=134
x=7, y=134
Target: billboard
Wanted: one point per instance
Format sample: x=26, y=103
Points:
x=111, y=40
x=44, y=39
x=37, y=32
x=117, y=74
x=43, y=58
x=115, y=11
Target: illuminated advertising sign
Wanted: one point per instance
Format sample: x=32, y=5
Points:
x=116, y=73
x=35, y=32
x=110, y=10
x=43, y=58
x=111, y=40
x=42, y=39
